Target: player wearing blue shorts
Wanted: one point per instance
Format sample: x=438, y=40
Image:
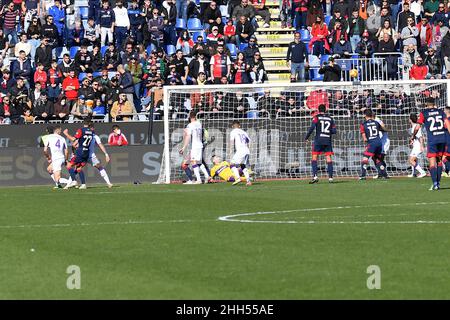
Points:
x=370, y=131
x=434, y=120
x=82, y=140
x=325, y=127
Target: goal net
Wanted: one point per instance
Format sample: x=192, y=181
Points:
x=277, y=117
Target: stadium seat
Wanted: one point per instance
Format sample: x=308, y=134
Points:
x=150, y=48
x=84, y=12
x=314, y=61
x=345, y=64
x=96, y=74
x=315, y=76
x=180, y=24
x=58, y=51
x=224, y=20
x=243, y=46
x=111, y=74
x=194, y=24
x=327, y=20
x=170, y=49
x=103, y=50
x=232, y=48
x=73, y=51
x=324, y=58
x=305, y=35
x=199, y=33
x=81, y=76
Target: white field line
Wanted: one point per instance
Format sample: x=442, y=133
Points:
x=237, y=217
x=93, y=224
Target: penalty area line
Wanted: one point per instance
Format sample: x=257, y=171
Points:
x=237, y=217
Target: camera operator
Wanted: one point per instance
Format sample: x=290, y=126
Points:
x=330, y=71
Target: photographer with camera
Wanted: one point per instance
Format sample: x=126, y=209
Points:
x=331, y=71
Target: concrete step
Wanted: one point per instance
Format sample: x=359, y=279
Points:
x=280, y=38
x=279, y=77
x=272, y=3
x=273, y=25
x=273, y=52
x=276, y=65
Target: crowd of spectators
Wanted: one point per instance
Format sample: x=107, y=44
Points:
x=117, y=61
x=273, y=104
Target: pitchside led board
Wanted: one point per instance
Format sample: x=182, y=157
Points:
x=22, y=162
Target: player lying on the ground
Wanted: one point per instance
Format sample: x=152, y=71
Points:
x=239, y=141
x=324, y=127
x=222, y=169
x=417, y=148
x=55, y=150
x=434, y=120
x=370, y=131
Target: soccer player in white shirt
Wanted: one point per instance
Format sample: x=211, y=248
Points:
x=239, y=141
x=57, y=156
x=193, y=135
x=417, y=148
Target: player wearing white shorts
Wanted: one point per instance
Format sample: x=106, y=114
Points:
x=417, y=148
x=193, y=135
x=239, y=141
x=57, y=156
x=95, y=162
x=386, y=143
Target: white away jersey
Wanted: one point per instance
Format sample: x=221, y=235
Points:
x=57, y=145
x=240, y=139
x=418, y=135
x=381, y=133
x=195, y=131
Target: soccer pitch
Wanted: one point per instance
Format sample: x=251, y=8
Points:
x=273, y=240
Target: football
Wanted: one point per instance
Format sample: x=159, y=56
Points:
x=353, y=73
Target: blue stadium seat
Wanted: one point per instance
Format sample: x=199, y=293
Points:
x=232, y=48
x=324, y=58
x=96, y=74
x=194, y=24
x=73, y=51
x=111, y=74
x=224, y=19
x=84, y=12
x=103, y=50
x=81, y=76
x=224, y=11
x=315, y=76
x=327, y=20
x=58, y=51
x=243, y=46
x=305, y=35
x=346, y=65
x=170, y=49
x=180, y=24
x=150, y=48
x=199, y=33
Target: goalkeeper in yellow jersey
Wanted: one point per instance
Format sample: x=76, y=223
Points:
x=222, y=169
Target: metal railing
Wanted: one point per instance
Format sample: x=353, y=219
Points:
x=382, y=67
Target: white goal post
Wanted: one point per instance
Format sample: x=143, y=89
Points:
x=278, y=115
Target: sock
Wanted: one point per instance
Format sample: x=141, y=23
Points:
x=382, y=166
x=104, y=175
x=235, y=172
x=73, y=174
x=82, y=177
x=413, y=169
x=314, y=167
x=206, y=166
x=246, y=174
x=53, y=178
x=330, y=169
x=446, y=163
x=419, y=168
x=64, y=180
x=188, y=172
x=204, y=171
x=433, y=171
x=197, y=172
x=439, y=172
x=364, y=167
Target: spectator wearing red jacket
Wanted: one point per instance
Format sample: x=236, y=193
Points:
x=230, y=32
x=418, y=71
x=70, y=87
x=425, y=34
x=117, y=138
x=40, y=75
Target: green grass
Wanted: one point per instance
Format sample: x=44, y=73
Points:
x=166, y=242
